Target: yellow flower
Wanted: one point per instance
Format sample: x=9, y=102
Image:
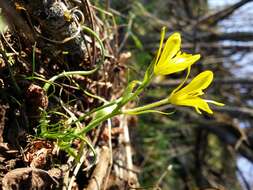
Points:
x=171, y=59
x=189, y=95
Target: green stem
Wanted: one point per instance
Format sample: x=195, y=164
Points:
x=95, y=35
x=98, y=121
x=139, y=90
x=146, y=107
x=65, y=74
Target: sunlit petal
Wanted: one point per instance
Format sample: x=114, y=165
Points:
x=172, y=46
x=189, y=95
x=170, y=59
x=173, y=67
x=199, y=83
x=196, y=103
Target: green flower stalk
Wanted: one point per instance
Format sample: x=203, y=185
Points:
x=171, y=60
x=184, y=96
x=145, y=108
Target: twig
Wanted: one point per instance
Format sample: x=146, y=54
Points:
x=163, y=176
x=155, y=20
x=97, y=178
x=109, y=123
x=132, y=178
x=236, y=111
x=92, y=22
x=244, y=180
x=235, y=36
x=222, y=14
x=9, y=45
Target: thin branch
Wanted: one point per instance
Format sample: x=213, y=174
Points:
x=222, y=14
x=228, y=134
x=235, y=36
x=244, y=180
x=236, y=111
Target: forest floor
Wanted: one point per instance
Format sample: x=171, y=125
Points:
x=58, y=62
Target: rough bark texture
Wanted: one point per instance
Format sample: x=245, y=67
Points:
x=59, y=28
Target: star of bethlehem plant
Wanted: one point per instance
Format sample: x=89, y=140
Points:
x=169, y=59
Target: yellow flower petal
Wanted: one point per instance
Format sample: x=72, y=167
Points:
x=189, y=95
x=199, y=83
x=171, y=48
x=197, y=103
x=169, y=59
x=178, y=65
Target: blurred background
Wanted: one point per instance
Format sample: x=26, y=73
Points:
x=186, y=150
